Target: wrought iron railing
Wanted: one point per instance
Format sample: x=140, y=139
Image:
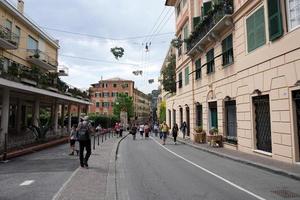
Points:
x=9, y=36
x=227, y=57
x=208, y=22
x=36, y=53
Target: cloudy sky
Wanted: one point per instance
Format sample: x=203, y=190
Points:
x=114, y=23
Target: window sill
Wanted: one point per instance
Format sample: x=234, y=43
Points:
x=263, y=152
x=227, y=65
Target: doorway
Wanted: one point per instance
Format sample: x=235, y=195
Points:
x=213, y=119
x=231, y=121
x=262, y=123
x=187, y=111
x=296, y=98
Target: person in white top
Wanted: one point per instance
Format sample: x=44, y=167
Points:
x=141, y=130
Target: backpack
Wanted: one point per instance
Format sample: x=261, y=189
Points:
x=83, y=132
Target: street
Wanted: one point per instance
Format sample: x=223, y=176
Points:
x=152, y=171
x=37, y=176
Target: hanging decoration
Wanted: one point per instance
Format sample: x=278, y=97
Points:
x=177, y=43
x=118, y=52
x=151, y=81
x=138, y=72
x=147, y=47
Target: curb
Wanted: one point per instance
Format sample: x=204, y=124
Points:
x=248, y=162
x=35, y=148
x=111, y=182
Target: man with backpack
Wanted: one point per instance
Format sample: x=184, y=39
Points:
x=84, y=131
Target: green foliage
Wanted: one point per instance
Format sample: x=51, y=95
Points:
x=123, y=103
x=169, y=75
x=104, y=120
x=162, y=112
x=118, y=52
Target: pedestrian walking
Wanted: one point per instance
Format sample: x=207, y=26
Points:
x=175, y=133
x=133, y=131
x=117, y=128
x=156, y=129
x=73, y=138
x=121, y=129
x=147, y=130
x=165, y=131
x=141, y=130
x=84, y=131
x=183, y=129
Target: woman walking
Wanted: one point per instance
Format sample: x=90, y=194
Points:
x=175, y=133
x=165, y=131
x=73, y=140
x=141, y=130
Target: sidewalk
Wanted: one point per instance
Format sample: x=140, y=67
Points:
x=92, y=183
x=278, y=167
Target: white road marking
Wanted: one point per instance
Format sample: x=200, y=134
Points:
x=64, y=185
x=211, y=173
x=28, y=182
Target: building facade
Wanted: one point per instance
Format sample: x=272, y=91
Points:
x=104, y=93
x=239, y=71
x=31, y=90
x=142, y=102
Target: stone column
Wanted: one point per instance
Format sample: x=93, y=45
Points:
x=19, y=116
x=78, y=112
x=69, y=117
x=56, y=107
x=4, y=116
x=36, y=114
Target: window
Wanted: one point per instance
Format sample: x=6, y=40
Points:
x=207, y=6
x=105, y=104
x=186, y=75
x=105, y=94
x=185, y=35
x=180, y=80
x=256, y=35
x=275, y=20
x=114, y=85
x=97, y=104
x=198, y=114
x=293, y=13
x=210, y=61
x=32, y=43
x=180, y=48
x=18, y=33
x=126, y=93
x=227, y=51
x=198, y=68
x=8, y=25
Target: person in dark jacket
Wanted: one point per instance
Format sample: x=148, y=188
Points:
x=175, y=133
x=183, y=129
x=133, y=131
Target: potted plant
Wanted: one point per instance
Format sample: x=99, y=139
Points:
x=214, y=138
x=199, y=134
x=177, y=43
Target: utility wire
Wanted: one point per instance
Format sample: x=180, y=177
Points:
x=102, y=37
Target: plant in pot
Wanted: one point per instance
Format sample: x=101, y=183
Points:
x=177, y=43
x=214, y=138
x=200, y=134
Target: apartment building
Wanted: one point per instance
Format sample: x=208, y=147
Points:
x=238, y=70
x=29, y=81
x=142, y=102
x=104, y=93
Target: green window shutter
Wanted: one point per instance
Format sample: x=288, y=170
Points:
x=206, y=7
x=198, y=68
x=250, y=33
x=275, y=20
x=260, y=35
x=196, y=21
x=187, y=75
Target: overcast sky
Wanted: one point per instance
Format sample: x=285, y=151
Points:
x=117, y=19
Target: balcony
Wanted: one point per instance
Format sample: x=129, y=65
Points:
x=63, y=70
x=8, y=40
x=208, y=30
x=41, y=59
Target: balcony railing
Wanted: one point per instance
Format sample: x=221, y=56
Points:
x=63, y=70
x=215, y=21
x=8, y=40
x=41, y=59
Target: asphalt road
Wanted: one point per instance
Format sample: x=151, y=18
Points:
x=152, y=171
x=37, y=176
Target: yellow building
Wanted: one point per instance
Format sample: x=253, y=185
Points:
x=238, y=70
x=29, y=82
x=141, y=103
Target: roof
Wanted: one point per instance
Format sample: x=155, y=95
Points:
x=13, y=10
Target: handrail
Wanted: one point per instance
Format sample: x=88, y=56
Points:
x=8, y=35
x=36, y=53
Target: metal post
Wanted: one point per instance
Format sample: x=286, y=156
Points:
x=98, y=138
x=94, y=142
x=5, y=147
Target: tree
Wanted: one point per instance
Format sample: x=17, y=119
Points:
x=169, y=75
x=162, y=112
x=123, y=103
